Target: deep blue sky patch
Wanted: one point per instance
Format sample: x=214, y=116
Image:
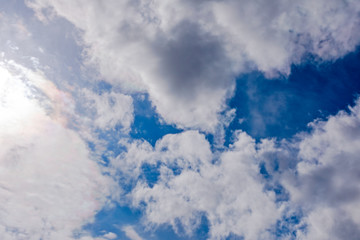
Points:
x=282, y=107
x=148, y=125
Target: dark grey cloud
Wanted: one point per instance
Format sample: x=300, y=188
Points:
x=322, y=185
x=346, y=228
x=191, y=60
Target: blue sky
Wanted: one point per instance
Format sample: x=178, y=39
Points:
x=140, y=120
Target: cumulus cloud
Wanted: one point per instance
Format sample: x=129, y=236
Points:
x=186, y=54
x=327, y=182
x=192, y=183
x=49, y=184
x=180, y=180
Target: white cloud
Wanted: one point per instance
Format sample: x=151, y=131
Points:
x=187, y=53
x=327, y=182
x=131, y=233
x=319, y=170
x=49, y=185
x=110, y=235
x=187, y=150
x=108, y=109
x=230, y=192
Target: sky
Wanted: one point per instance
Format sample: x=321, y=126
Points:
x=157, y=120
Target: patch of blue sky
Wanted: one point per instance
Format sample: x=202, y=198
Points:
x=281, y=195
x=148, y=125
x=150, y=173
x=282, y=107
x=202, y=231
x=114, y=219
x=263, y=171
x=289, y=225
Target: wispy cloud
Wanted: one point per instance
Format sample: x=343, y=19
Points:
x=131, y=233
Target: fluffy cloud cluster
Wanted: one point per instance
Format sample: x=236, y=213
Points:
x=328, y=176
x=229, y=191
x=186, y=54
x=180, y=180
x=49, y=184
